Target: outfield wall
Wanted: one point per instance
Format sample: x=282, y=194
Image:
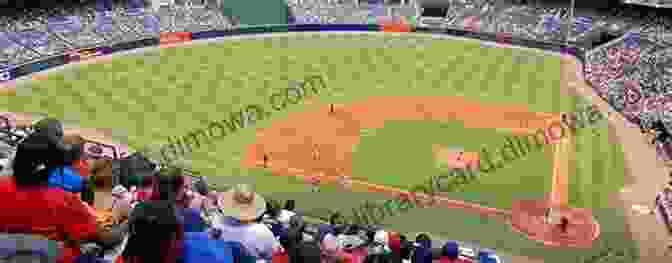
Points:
x=9, y=74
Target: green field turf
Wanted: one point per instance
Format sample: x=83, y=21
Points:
x=400, y=154
x=170, y=92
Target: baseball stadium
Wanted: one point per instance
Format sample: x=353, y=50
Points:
x=339, y=106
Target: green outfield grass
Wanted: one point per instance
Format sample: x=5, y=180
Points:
x=400, y=154
x=170, y=92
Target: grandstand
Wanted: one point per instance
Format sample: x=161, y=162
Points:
x=628, y=49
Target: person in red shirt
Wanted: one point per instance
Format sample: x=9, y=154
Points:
x=32, y=207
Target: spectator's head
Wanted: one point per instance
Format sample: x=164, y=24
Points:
x=155, y=233
x=329, y=245
x=451, y=250
x=49, y=126
x=423, y=240
x=405, y=247
x=297, y=222
x=290, y=205
x=272, y=208
x=30, y=163
x=336, y=218
x=242, y=203
x=381, y=237
x=169, y=185
x=102, y=171
x=394, y=242
x=201, y=186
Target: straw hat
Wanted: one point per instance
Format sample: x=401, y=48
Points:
x=242, y=203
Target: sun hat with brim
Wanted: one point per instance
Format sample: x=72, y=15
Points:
x=242, y=203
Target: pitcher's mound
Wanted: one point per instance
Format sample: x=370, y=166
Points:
x=455, y=157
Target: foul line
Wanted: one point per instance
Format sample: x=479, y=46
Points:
x=449, y=203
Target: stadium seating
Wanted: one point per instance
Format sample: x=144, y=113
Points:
x=630, y=72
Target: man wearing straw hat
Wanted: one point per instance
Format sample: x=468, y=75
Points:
x=242, y=208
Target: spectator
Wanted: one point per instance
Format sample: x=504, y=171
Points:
x=170, y=186
x=380, y=243
x=50, y=211
x=331, y=253
x=378, y=258
x=564, y=223
x=199, y=247
x=242, y=208
x=156, y=236
x=423, y=240
x=47, y=140
x=662, y=134
x=305, y=252
x=423, y=249
x=73, y=177
x=663, y=209
x=450, y=252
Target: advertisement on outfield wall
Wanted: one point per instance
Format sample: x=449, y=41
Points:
x=84, y=54
x=169, y=38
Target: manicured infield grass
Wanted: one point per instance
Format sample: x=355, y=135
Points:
x=170, y=92
x=400, y=154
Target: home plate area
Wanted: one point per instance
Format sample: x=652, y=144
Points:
x=318, y=144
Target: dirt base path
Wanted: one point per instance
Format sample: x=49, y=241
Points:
x=320, y=141
x=645, y=174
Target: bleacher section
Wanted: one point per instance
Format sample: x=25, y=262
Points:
x=632, y=71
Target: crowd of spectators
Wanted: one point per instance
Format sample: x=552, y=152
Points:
x=167, y=214
x=632, y=71
x=27, y=35
x=628, y=48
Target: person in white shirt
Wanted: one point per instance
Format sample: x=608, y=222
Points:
x=242, y=208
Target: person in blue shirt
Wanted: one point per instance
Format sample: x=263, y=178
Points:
x=68, y=178
x=157, y=236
